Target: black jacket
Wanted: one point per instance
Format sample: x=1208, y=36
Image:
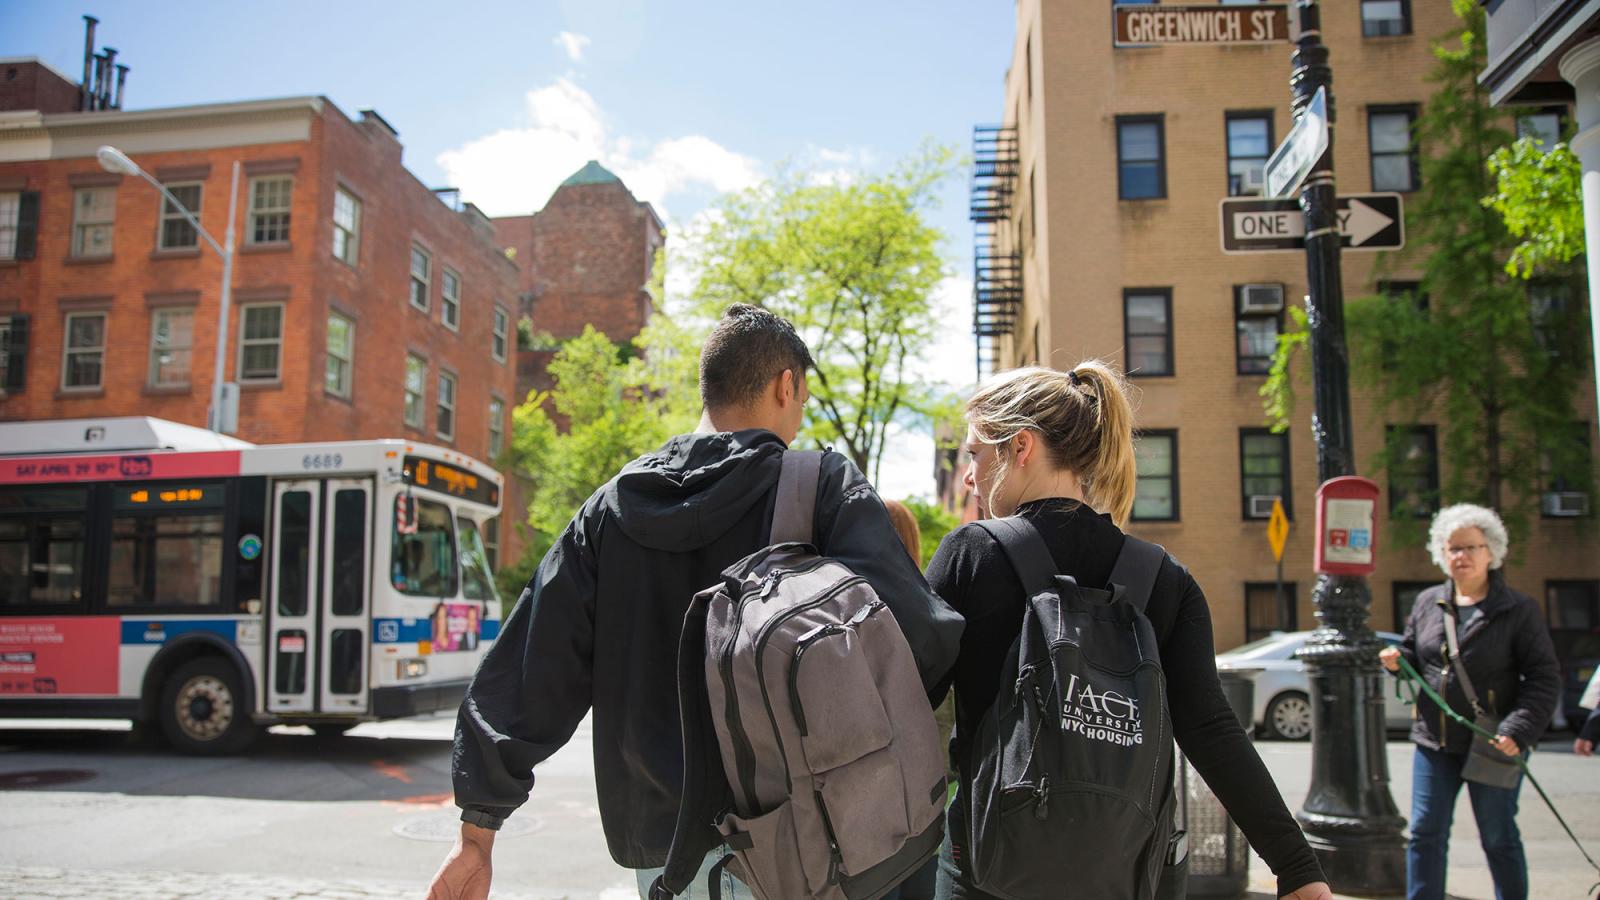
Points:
x=971, y=571
x=598, y=626
x=1507, y=652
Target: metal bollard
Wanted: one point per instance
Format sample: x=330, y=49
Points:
x=1219, y=856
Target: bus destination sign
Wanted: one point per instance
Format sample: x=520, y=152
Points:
x=453, y=480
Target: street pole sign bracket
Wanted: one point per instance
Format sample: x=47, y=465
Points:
x=1264, y=224
x=1306, y=142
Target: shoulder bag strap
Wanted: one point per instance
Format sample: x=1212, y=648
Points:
x=1026, y=550
x=797, y=497
x=1453, y=647
x=1137, y=565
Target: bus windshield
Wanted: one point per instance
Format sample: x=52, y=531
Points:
x=423, y=562
x=477, y=582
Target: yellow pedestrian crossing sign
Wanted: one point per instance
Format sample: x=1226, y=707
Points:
x=1277, y=529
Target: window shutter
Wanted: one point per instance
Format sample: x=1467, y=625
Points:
x=17, y=353
x=27, y=224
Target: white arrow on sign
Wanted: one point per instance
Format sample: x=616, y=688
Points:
x=1361, y=222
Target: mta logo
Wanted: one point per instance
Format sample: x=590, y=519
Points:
x=136, y=466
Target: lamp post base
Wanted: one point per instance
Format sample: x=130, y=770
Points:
x=1370, y=865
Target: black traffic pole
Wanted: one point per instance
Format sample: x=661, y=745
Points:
x=1349, y=816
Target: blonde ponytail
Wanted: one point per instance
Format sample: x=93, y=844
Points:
x=1084, y=417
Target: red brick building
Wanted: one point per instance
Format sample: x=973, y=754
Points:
x=364, y=305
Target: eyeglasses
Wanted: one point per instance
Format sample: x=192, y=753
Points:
x=1465, y=549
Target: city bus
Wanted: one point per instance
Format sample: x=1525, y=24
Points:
x=209, y=587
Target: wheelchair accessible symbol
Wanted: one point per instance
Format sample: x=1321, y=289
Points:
x=388, y=632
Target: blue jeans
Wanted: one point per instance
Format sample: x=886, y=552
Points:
x=1435, y=783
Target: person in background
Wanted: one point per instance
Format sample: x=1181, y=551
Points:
x=1508, y=656
x=1589, y=732
x=905, y=525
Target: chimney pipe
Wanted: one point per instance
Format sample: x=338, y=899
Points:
x=105, y=83
x=99, y=76
x=122, y=78
x=88, y=59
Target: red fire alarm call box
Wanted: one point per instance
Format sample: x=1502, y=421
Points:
x=1347, y=509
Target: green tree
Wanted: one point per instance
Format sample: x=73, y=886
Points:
x=933, y=523
x=610, y=403
x=1475, y=348
x=1539, y=194
x=854, y=266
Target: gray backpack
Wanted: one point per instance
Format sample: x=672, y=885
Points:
x=828, y=749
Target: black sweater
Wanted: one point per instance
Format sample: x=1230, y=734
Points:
x=971, y=572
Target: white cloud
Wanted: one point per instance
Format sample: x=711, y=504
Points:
x=513, y=171
x=573, y=44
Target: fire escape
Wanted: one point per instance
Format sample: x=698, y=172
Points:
x=997, y=266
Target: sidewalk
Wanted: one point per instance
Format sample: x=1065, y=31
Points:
x=1556, y=869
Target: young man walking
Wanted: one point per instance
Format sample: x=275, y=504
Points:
x=598, y=625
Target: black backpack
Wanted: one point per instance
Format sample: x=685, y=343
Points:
x=1072, y=768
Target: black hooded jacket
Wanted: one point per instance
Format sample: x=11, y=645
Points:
x=1508, y=655
x=598, y=626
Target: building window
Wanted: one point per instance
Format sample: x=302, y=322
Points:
x=13, y=352
x=501, y=339
x=1141, y=158
x=1549, y=306
x=416, y=384
x=421, y=272
x=1573, y=605
x=1267, y=611
x=93, y=212
x=269, y=209
x=1544, y=126
x=10, y=217
x=1156, y=494
x=445, y=425
x=1385, y=18
x=346, y=226
x=1147, y=330
x=1400, y=292
x=171, y=337
x=1405, y=599
x=1249, y=145
x=1264, y=472
x=85, y=352
x=450, y=300
x=260, y=341
x=1413, y=471
x=176, y=231
x=1257, y=320
x=341, y=353
x=1394, y=158
x=1566, y=468
x=497, y=425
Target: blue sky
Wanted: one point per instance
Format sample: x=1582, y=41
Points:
x=503, y=100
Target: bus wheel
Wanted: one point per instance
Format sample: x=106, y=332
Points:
x=202, y=709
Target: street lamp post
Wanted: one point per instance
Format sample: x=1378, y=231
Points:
x=1349, y=816
x=115, y=161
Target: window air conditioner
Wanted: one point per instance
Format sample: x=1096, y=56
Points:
x=1254, y=180
x=1566, y=503
x=1261, y=506
x=1261, y=298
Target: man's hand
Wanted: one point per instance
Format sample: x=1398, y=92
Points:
x=466, y=871
x=1506, y=744
x=1316, y=890
x=1390, y=657
x=1583, y=747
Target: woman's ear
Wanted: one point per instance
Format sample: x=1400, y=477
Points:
x=1024, y=447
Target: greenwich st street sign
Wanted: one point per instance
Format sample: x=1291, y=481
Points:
x=1153, y=25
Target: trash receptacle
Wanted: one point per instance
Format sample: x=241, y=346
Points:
x=1219, y=857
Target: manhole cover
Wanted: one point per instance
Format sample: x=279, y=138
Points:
x=42, y=778
x=443, y=827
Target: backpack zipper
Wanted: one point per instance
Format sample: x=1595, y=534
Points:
x=811, y=638
x=743, y=754
x=835, y=859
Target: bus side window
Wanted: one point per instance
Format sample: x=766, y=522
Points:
x=42, y=546
x=166, y=546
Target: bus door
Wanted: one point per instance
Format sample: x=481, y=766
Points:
x=320, y=551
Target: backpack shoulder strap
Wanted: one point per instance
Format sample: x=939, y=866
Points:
x=797, y=497
x=1026, y=550
x=1136, y=568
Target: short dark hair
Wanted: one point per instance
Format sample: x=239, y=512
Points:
x=748, y=348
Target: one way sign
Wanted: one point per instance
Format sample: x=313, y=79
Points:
x=1368, y=222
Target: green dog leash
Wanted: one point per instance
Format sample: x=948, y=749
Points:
x=1417, y=683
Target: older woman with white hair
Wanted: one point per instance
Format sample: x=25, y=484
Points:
x=1485, y=649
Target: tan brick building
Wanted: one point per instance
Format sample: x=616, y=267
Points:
x=1098, y=236
x=364, y=304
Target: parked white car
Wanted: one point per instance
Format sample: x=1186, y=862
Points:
x=1283, y=689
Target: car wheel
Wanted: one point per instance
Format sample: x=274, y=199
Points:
x=1289, y=717
x=203, y=708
